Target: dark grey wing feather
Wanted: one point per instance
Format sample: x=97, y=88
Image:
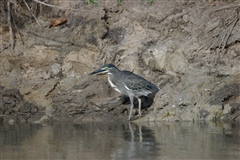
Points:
x=138, y=83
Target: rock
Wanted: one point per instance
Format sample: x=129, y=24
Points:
x=14, y=108
x=11, y=121
x=38, y=92
x=78, y=62
x=68, y=82
x=39, y=56
x=43, y=119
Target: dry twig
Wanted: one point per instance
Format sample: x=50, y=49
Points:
x=229, y=31
x=32, y=13
x=225, y=7
x=10, y=26
x=54, y=6
x=227, y=35
x=14, y=22
x=50, y=5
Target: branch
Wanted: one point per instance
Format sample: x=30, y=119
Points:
x=10, y=26
x=225, y=7
x=228, y=32
x=32, y=13
x=14, y=22
x=54, y=6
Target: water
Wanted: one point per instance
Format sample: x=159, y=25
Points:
x=99, y=141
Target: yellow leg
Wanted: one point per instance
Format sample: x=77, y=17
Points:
x=139, y=107
x=131, y=108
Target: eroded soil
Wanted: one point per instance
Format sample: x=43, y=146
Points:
x=190, y=50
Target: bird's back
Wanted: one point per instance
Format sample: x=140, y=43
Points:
x=138, y=84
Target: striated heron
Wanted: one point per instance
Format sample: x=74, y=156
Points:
x=127, y=83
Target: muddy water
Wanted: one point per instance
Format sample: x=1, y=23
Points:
x=99, y=141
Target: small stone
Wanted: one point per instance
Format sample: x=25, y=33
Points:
x=11, y=121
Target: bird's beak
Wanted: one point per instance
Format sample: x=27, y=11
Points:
x=94, y=72
x=98, y=71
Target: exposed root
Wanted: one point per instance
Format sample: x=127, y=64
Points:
x=222, y=45
x=228, y=32
x=226, y=7
x=15, y=25
x=32, y=13
x=10, y=26
x=54, y=6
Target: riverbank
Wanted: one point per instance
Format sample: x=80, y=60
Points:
x=190, y=50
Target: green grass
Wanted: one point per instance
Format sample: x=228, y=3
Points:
x=118, y=1
x=149, y=1
x=91, y=2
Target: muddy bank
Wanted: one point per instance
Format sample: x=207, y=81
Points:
x=190, y=50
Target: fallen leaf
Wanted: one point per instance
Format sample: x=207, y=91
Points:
x=58, y=22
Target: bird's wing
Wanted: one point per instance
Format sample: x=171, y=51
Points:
x=137, y=83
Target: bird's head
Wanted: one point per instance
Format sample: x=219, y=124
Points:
x=104, y=69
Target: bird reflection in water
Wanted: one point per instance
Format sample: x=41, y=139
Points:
x=142, y=143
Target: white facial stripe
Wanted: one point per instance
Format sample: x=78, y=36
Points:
x=103, y=72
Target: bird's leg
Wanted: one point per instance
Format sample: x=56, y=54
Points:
x=139, y=106
x=131, y=107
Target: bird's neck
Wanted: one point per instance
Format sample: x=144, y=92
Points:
x=111, y=80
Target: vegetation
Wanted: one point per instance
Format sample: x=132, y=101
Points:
x=91, y=2
x=118, y=1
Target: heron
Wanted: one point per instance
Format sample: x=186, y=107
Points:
x=127, y=83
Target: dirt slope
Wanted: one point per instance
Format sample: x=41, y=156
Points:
x=190, y=50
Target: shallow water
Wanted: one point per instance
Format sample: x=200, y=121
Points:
x=99, y=141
